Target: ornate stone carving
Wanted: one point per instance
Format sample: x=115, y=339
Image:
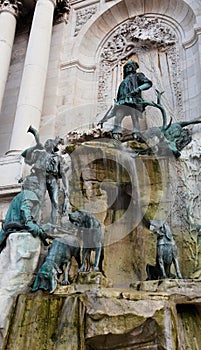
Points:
x=83, y=16
x=62, y=10
x=137, y=36
x=136, y=33
x=12, y=6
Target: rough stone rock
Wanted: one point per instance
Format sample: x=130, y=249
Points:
x=18, y=262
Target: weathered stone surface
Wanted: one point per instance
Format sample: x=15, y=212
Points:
x=189, y=287
x=105, y=319
x=18, y=262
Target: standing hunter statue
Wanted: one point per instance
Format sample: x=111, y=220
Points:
x=129, y=100
x=49, y=167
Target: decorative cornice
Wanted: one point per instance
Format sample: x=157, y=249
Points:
x=62, y=10
x=78, y=65
x=12, y=6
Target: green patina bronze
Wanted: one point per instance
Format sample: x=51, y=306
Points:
x=48, y=167
x=129, y=100
x=23, y=213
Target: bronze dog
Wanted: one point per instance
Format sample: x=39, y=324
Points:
x=166, y=253
x=89, y=230
x=61, y=252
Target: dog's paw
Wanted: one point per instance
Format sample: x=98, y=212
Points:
x=65, y=283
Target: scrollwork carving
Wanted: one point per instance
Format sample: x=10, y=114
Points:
x=137, y=36
x=140, y=32
x=83, y=16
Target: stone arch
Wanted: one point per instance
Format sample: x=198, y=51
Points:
x=175, y=14
x=155, y=46
x=179, y=15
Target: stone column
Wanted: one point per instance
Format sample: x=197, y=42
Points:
x=30, y=100
x=9, y=11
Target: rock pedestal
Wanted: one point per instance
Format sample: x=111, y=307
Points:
x=18, y=262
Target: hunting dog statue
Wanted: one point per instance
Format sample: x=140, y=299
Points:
x=89, y=230
x=166, y=253
x=61, y=252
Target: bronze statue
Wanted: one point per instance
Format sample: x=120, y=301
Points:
x=47, y=165
x=23, y=213
x=89, y=230
x=61, y=252
x=172, y=137
x=166, y=252
x=129, y=100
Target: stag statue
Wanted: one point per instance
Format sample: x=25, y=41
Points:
x=172, y=135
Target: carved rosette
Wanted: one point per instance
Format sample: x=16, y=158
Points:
x=82, y=16
x=12, y=6
x=136, y=37
x=62, y=10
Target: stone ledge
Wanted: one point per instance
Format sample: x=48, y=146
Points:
x=188, y=287
x=85, y=282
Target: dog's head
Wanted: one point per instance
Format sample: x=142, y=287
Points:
x=80, y=218
x=161, y=228
x=46, y=278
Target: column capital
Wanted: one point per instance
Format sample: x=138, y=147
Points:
x=12, y=6
x=62, y=10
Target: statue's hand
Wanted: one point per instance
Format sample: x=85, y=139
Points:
x=136, y=91
x=43, y=236
x=33, y=228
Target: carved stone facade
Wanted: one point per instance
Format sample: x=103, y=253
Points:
x=139, y=37
x=82, y=16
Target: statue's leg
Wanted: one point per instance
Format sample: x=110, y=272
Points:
x=77, y=256
x=160, y=260
x=117, y=131
x=97, y=257
x=84, y=252
x=87, y=259
x=135, y=116
x=167, y=270
x=65, y=282
x=176, y=265
x=52, y=188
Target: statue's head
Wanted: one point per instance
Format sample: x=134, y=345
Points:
x=49, y=145
x=130, y=67
x=30, y=183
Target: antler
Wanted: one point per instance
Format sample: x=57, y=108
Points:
x=158, y=105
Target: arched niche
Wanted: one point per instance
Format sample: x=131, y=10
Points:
x=173, y=21
x=177, y=12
